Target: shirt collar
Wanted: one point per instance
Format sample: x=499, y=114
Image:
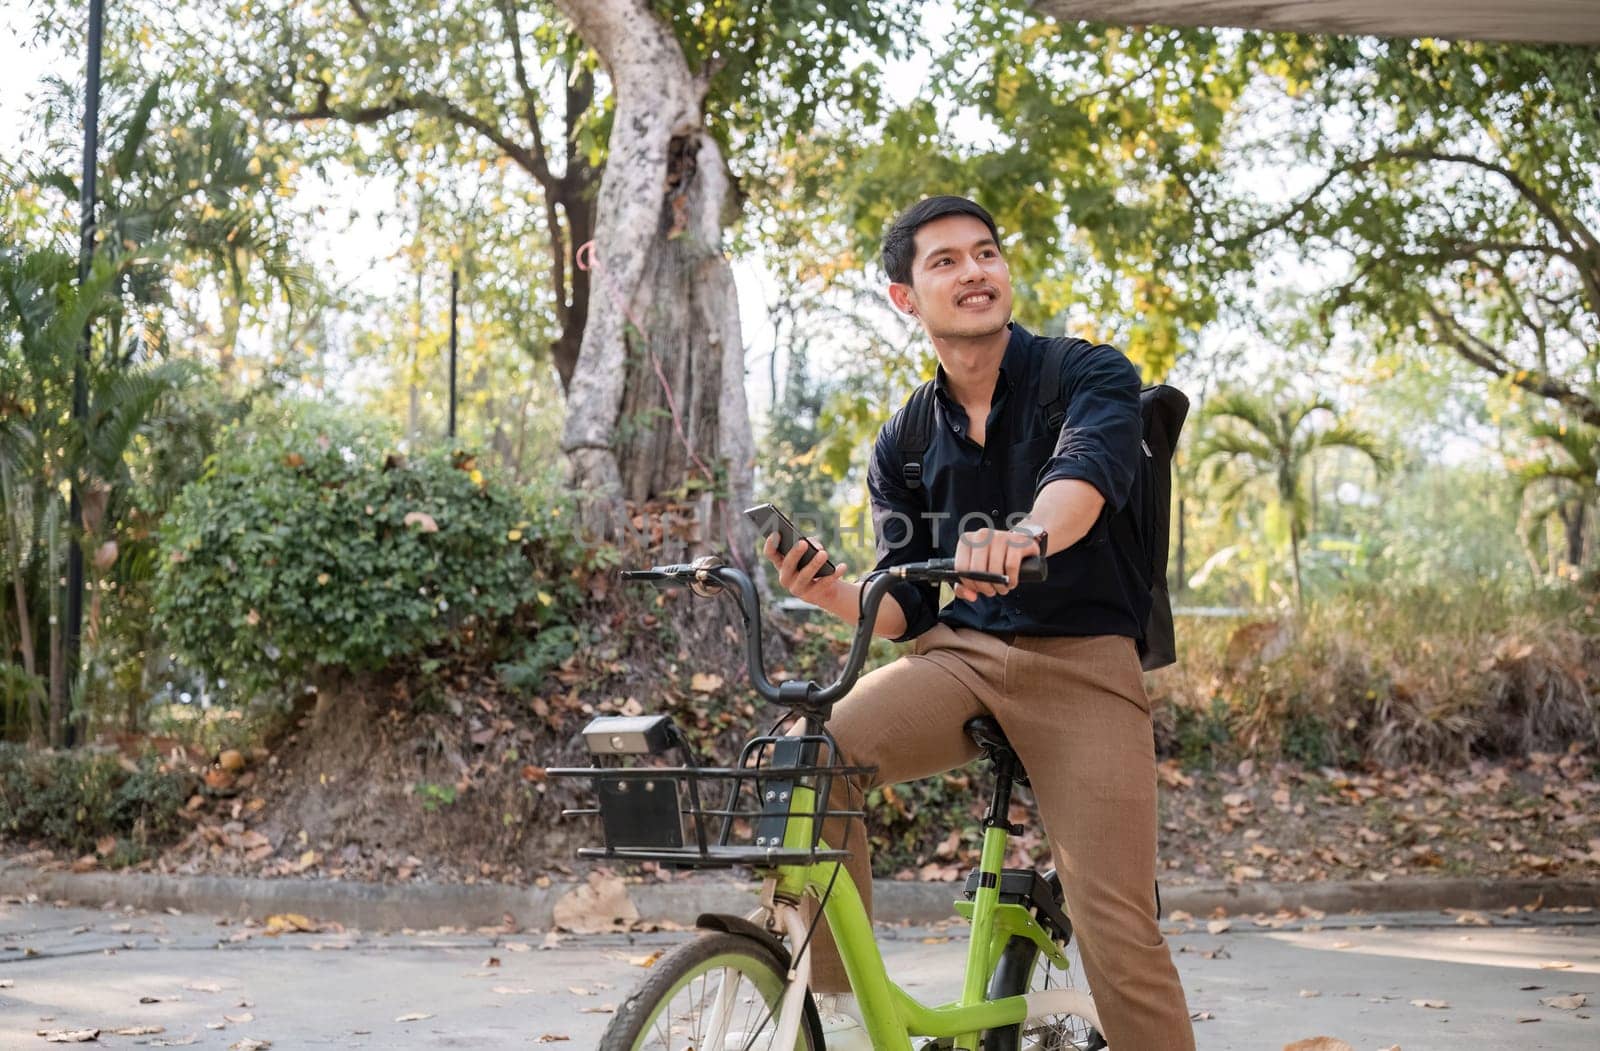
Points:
x=1012, y=363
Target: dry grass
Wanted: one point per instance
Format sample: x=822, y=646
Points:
x=1419, y=677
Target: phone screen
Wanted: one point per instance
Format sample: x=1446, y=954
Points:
x=769, y=519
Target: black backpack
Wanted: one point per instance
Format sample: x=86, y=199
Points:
x=1141, y=529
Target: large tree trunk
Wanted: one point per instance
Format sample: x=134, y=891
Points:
x=656, y=409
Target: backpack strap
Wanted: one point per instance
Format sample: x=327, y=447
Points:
x=916, y=434
x=1052, y=398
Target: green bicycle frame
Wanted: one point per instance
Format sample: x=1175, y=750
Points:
x=891, y=1015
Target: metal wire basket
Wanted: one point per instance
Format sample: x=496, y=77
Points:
x=717, y=817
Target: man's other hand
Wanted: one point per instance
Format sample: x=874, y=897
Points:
x=802, y=582
x=991, y=551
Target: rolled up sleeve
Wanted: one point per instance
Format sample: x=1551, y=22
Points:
x=1100, y=436
x=902, y=534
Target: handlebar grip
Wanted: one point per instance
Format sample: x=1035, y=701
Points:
x=658, y=573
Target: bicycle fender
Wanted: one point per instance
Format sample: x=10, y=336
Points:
x=727, y=924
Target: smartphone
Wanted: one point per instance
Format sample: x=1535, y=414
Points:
x=769, y=519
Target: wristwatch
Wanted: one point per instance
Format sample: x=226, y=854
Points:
x=1037, y=534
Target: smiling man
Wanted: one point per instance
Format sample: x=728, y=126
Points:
x=981, y=467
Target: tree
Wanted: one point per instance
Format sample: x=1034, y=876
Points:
x=1262, y=439
x=1456, y=199
x=181, y=185
x=1564, y=485
x=655, y=404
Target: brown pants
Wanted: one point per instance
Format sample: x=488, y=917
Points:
x=1075, y=710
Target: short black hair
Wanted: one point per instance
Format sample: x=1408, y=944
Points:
x=899, y=241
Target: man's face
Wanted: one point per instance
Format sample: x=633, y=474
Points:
x=960, y=285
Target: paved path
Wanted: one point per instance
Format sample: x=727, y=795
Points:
x=218, y=984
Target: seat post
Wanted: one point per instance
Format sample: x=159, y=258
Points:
x=999, y=815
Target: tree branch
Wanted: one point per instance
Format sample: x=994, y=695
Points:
x=421, y=102
x=1491, y=360
x=1570, y=227
x=530, y=110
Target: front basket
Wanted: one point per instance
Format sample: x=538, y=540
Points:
x=718, y=817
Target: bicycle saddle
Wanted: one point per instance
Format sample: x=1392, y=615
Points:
x=987, y=735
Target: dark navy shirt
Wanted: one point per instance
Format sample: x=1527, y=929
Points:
x=1093, y=587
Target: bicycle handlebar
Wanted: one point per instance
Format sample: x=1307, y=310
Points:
x=708, y=576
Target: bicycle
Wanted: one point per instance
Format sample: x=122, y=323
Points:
x=744, y=984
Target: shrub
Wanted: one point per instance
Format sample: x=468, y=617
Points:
x=311, y=548
x=72, y=800
x=1387, y=676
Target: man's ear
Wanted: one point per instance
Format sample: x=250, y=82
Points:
x=901, y=296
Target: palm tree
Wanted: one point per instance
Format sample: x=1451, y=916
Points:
x=1261, y=438
x=1564, y=485
x=178, y=196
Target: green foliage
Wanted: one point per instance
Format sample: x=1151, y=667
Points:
x=72, y=800
x=309, y=548
x=1453, y=202
x=434, y=796
x=538, y=656
x=1271, y=438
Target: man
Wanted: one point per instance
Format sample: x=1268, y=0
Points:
x=1056, y=662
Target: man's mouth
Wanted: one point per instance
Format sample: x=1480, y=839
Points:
x=976, y=299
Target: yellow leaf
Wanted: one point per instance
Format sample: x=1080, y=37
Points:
x=514, y=534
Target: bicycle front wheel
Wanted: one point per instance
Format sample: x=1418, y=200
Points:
x=720, y=992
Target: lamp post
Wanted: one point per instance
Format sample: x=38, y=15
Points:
x=455, y=288
x=80, y=392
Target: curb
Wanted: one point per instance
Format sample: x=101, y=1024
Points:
x=419, y=906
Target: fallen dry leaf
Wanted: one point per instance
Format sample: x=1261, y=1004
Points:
x=1218, y=926
x=248, y=1044
x=1565, y=1003
x=287, y=922
x=598, y=906
x=1437, y=1005
x=1555, y=965
x=202, y=987
x=1319, y=1043
x=704, y=682
x=552, y=1038
x=646, y=961
x=182, y=1041
x=414, y=1016
x=140, y=1030
x=422, y=519
x=70, y=1036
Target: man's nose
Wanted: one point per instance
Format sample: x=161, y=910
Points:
x=971, y=270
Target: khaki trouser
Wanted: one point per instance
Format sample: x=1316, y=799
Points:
x=1075, y=710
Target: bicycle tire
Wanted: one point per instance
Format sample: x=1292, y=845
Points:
x=638, y=1024
x=1022, y=970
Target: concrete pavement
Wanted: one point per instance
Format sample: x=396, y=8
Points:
x=210, y=983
